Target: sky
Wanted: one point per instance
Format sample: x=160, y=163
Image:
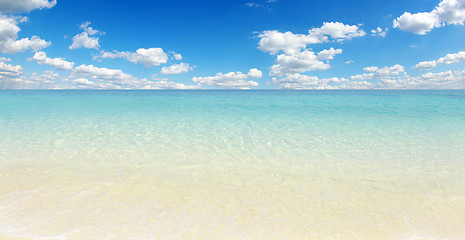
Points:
x=251, y=44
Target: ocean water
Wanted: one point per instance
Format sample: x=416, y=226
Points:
x=232, y=165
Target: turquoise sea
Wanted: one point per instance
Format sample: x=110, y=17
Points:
x=232, y=164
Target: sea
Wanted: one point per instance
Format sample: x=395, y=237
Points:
x=225, y=164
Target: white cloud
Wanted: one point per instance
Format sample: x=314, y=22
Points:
x=379, y=32
x=177, y=56
x=57, y=63
x=379, y=73
x=104, y=78
x=426, y=65
x=251, y=4
x=441, y=80
x=274, y=41
x=328, y=53
x=165, y=84
x=447, y=12
x=441, y=76
x=451, y=11
x=4, y=59
x=46, y=80
x=302, y=62
x=299, y=81
x=295, y=58
x=349, y=62
x=235, y=80
x=114, y=76
x=338, y=31
x=52, y=80
x=176, y=69
x=147, y=57
x=17, y=6
x=255, y=73
x=419, y=23
x=10, y=71
x=255, y=4
x=371, y=69
x=112, y=55
x=448, y=59
x=452, y=58
x=32, y=82
x=9, y=42
x=83, y=81
x=392, y=79
x=9, y=74
x=89, y=30
x=84, y=39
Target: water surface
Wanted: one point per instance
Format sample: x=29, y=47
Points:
x=232, y=165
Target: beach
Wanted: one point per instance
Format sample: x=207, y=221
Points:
x=232, y=164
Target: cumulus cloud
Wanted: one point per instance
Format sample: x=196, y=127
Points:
x=86, y=77
x=371, y=69
x=234, y=80
x=9, y=42
x=328, y=53
x=9, y=70
x=441, y=80
x=177, y=56
x=84, y=39
x=302, y=62
x=419, y=23
x=147, y=57
x=103, y=74
x=254, y=73
x=104, y=78
x=57, y=63
x=52, y=80
x=338, y=31
x=165, y=84
x=448, y=59
x=9, y=74
x=379, y=73
x=176, y=69
x=452, y=58
x=19, y=6
x=86, y=27
x=273, y=41
x=379, y=32
x=426, y=65
x=446, y=12
x=299, y=81
x=45, y=80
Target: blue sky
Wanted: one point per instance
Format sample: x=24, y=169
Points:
x=263, y=44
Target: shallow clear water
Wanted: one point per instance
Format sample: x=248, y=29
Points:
x=232, y=165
